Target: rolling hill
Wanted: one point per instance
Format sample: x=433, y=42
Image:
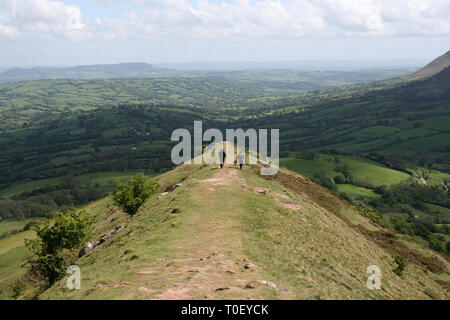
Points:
x=235, y=234
x=408, y=119
x=434, y=67
x=101, y=71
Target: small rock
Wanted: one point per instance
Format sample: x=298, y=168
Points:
x=162, y=194
x=146, y=290
x=273, y=285
x=262, y=191
x=282, y=196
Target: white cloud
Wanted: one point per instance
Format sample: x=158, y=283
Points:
x=240, y=19
x=31, y=18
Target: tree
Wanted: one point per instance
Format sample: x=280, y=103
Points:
x=129, y=196
x=65, y=230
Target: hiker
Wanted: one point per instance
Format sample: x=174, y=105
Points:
x=240, y=160
x=222, y=156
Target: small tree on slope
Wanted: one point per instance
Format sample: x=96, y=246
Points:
x=65, y=230
x=129, y=196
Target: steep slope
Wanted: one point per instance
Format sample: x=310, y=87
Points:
x=235, y=234
x=434, y=67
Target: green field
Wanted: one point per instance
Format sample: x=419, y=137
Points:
x=15, y=241
x=16, y=224
x=354, y=192
x=375, y=173
x=104, y=179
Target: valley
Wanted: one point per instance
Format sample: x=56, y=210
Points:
x=364, y=179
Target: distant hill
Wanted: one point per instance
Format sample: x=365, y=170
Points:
x=434, y=67
x=309, y=75
x=101, y=71
x=302, y=65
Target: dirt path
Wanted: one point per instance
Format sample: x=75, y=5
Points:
x=210, y=261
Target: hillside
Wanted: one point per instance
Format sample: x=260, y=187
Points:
x=409, y=120
x=23, y=103
x=235, y=234
x=434, y=67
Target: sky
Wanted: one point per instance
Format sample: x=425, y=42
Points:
x=75, y=32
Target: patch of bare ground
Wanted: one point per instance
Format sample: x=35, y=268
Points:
x=120, y=284
x=291, y=206
x=174, y=293
x=214, y=275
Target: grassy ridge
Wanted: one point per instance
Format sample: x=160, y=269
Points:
x=241, y=237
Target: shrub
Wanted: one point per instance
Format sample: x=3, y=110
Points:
x=380, y=189
x=129, y=196
x=437, y=242
x=29, y=225
x=339, y=179
x=65, y=230
x=17, y=289
x=401, y=265
x=420, y=230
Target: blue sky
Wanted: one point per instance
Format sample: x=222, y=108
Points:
x=69, y=32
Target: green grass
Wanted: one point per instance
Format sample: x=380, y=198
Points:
x=436, y=208
x=27, y=186
x=15, y=241
x=361, y=168
x=309, y=167
x=12, y=268
x=241, y=237
x=375, y=173
x=15, y=224
x=356, y=192
x=103, y=179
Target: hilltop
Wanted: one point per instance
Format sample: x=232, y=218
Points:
x=434, y=67
x=235, y=234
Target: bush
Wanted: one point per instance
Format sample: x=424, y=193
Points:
x=437, y=242
x=380, y=189
x=339, y=179
x=65, y=230
x=129, y=196
x=420, y=230
x=29, y=225
x=401, y=265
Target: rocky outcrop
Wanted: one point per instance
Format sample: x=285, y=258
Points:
x=92, y=244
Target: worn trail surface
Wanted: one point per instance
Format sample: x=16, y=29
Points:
x=211, y=262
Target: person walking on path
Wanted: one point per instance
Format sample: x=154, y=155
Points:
x=222, y=156
x=240, y=160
